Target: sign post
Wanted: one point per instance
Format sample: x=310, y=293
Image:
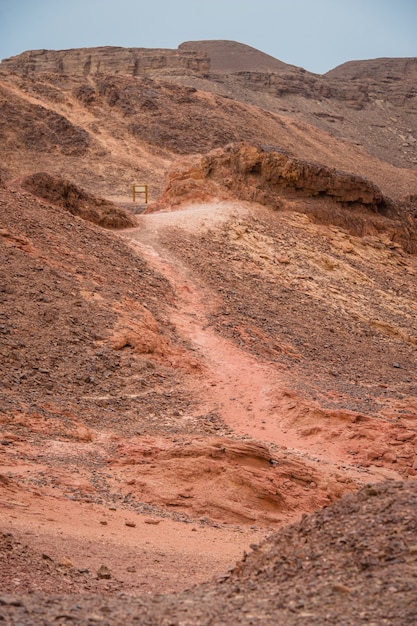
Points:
x=140, y=189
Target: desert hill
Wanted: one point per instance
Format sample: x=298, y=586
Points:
x=229, y=57
x=368, y=103
x=182, y=379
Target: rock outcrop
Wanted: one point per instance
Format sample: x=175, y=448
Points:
x=275, y=179
x=356, y=88
x=107, y=60
x=65, y=194
x=266, y=174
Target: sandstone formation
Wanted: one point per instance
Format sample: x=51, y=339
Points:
x=270, y=176
x=107, y=60
x=243, y=481
x=357, y=82
x=344, y=83
x=263, y=174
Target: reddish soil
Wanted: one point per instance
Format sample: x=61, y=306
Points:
x=245, y=453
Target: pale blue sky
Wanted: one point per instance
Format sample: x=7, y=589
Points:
x=314, y=34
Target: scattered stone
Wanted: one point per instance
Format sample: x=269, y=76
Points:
x=103, y=572
x=338, y=587
x=405, y=436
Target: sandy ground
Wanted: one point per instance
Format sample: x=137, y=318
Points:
x=143, y=553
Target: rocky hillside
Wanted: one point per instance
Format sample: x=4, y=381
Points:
x=182, y=379
x=370, y=103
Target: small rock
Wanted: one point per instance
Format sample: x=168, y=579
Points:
x=151, y=520
x=103, y=572
x=284, y=259
x=340, y=588
x=131, y=524
x=406, y=436
x=65, y=562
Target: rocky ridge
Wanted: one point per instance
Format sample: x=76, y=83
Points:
x=380, y=91
x=107, y=60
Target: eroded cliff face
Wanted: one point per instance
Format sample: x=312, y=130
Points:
x=356, y=83
x=107, y=60
x=264, y=174
x=273, y=178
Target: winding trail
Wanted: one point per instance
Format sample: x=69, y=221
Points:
x=253, y=398
x=236, y=384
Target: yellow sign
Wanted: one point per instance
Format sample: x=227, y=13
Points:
x=140, y=189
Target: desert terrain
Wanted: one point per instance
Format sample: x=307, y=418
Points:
x=209, y=402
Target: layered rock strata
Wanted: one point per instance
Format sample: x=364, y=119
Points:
x=107, y=60
x=262, y=174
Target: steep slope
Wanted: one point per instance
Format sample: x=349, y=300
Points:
x=106, y=132
x=373, y=103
